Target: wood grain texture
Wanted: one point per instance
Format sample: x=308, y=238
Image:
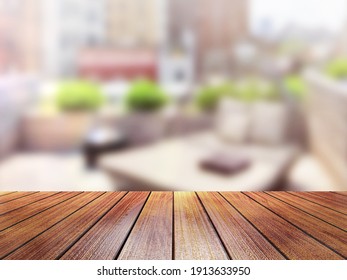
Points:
x=17, y=235
x=166, y=225
x=13, y=196
x=16, y=216
x=241, y=239
x=290, y=240
x=329, y=235
x=332, y=196
x=53, y=242
x=330, y=216
x=23, y=201
x=341, y=193
x=194, y=235
x=151, y=237
x=5, y=193
x=326, y=202
x=104, y=240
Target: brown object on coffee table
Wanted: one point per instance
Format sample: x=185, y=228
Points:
x=225, y=164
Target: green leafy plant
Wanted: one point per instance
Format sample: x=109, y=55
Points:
x=296, y=86
x=255, y=89
x=208, y=97
x=78, y=96
x=145, y=95
x=337, y=68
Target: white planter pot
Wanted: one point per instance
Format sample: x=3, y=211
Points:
x=269, y=123
x=233, y=120
x=144, y=127
x=58, y=132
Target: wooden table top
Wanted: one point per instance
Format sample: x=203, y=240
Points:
x=173, y=225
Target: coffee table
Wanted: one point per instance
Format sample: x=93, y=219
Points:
x=173, y=165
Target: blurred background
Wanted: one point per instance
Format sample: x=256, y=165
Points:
x=173, y=95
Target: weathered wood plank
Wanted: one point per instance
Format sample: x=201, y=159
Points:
x=330, y=216
x=290, y=240
x=151, y=237
x=341, y=193
x=5, y=193
x=334, y=237
x=241, y=239
x=332, y=196
x=196, y=226
x=19, y=215
x=17, y=235
x=195, y=237
x=335, y=205
x=104, y=240
x=53, y=242
x=23, y=201
x=13, y=196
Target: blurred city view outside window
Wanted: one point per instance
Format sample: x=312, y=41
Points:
x=264, y=75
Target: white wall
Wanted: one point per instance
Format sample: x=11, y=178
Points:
x=68, y=25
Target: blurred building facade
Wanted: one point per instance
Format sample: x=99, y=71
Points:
x=73, y=26
x=20, y=30
x=45, y=36
x=213, y=25
x=341, y=48
x=118, y=64
x=194, y=36
x=133, y=23
x=69, y=26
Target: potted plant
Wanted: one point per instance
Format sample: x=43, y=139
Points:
x=78, y=96
x=206, y=103
x=232, y=113
x=337, y=69
x=326, y=111
x=65, y=126
x=146, y=121
x=208, y=97
x=295, y=87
